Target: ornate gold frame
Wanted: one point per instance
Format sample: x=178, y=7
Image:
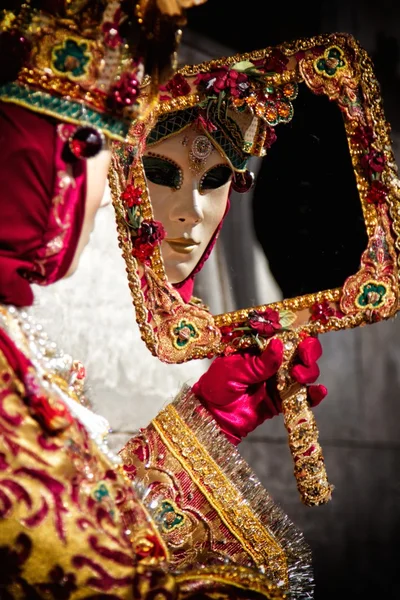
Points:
x=160, y=311
x=175, y=331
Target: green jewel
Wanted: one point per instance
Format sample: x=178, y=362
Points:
x=170, y=518
x=240, y=109
x=372, y=295
x=332, y=62
x=100, y=492
x=184, y=333
x=71, y=58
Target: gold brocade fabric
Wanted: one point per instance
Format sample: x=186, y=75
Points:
x=71, y=523
x=61, y=530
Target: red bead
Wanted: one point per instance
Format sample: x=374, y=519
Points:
x=243, y=182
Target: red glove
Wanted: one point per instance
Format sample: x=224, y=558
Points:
x=306, y=370
x=240, y=390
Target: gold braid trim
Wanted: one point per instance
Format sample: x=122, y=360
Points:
x=228, y=579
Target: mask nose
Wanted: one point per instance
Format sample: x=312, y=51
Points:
x=187, y=208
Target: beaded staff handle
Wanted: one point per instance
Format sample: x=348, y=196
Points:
x=309, y=465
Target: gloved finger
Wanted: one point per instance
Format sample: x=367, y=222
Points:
x=304, y=374
x=266, y=364
x=316, y=393
x=227, y=378
x=309, y=351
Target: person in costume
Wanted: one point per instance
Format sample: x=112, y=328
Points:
x=77, y=521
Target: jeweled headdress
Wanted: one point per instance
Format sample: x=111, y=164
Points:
x=236, y=102
x=82, y=60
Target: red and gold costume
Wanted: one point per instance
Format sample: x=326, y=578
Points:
x=180, y=509
x=74, y=521
x=178, y=514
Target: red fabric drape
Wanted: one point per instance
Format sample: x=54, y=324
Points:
x=42, y=202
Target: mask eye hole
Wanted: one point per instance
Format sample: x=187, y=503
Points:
x=162, y=171
x=214, y=178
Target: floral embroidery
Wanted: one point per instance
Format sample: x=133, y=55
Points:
x=247, y=85
x=265, y=323
x=374, y=288
x=124, y=93
x=184, y=332
x=146, y=235
x=169, y=517
x=377, y=193
x=260, y=326
x=332, y=72
x=132, y=196
x=276, y=61
x=177, y=86
x=322, y=311
x=224, y=80
x=71, y=58
x=372, y=294
x=363, y=136
x=373, y=162
x=332, y=61
x=149, y=235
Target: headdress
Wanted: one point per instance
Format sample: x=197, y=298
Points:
x=75, y=59
x=236, y=102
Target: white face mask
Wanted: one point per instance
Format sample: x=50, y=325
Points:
x=189, y=196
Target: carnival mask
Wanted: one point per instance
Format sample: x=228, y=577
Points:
x=188, y=182
x=326, y=203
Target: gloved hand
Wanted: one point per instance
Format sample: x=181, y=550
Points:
x=240, y=390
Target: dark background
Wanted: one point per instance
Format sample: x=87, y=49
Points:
x=354, y=538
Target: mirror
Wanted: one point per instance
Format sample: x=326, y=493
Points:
x=312, y=245
x=301, y=187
